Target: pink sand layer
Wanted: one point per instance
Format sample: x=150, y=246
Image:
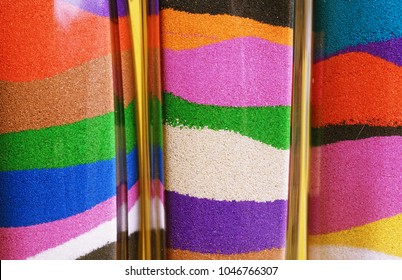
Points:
x=24, y=242
x=355, y=183
x=239, y=72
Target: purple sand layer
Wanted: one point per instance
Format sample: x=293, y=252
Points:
x=390, y=50
x=153, y=7
x=240, y=72
x=222, y=227
x=99, y=7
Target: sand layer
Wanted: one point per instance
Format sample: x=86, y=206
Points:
x=267, y=11
x=180, y=32
x=224, y=166
x=218, y=72
x=273, y=254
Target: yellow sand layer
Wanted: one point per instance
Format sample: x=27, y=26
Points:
x=381, y=236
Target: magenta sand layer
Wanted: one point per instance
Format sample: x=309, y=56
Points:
x=350, y=178
x=219, y=74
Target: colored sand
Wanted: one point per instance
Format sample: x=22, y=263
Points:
x=265, y=11
x=387, y=50
x=72, y=143
x=328, y=252
x=227, y=83
x=349, y=23
x=43, y=103
x=181, y=33
x=225, y=227
x=190, y=72
x=178, y=254
x=355, y=196
x=336, y=133
x=273, y=130
x=358, y=175
x=226, y=162
x=57, y=127
x=366, y=91
x=66, y=49
x=381, y=236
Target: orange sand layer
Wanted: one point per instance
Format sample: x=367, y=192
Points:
x=182, y=30
x=273, y=254
x=52, y=39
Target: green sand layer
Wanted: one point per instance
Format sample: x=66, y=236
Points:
x=86, y=141
x=269, y=125
x=155, y=121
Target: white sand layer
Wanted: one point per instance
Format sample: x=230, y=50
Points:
x=331, y=252
x=224, y=165
x=89, y=241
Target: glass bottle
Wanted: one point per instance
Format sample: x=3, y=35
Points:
x=356, y=156
x=227, y=82
x=67, y=135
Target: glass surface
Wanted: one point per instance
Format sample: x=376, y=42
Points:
x=66, y=85
x=356, y=156
x=296, y=236
x=227, y=82
x=148, y=238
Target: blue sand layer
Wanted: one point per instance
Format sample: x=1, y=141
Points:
x=37, y=196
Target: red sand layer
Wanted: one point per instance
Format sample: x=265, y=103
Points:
x=357, y=88
x=42, y=39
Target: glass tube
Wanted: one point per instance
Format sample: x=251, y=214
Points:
x=150, y=240
x=356, y=155
x=227, y=82
x=66, y=85
x=296, y=245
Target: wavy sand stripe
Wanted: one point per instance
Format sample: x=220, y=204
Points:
x=389, y=50
x=24, y=242
x=355, y=183
x=82, y=92
x=102, y=236
x=269, y=125
x=381, y=236
x=99, y=7
x=349, y=23
x=179, y=31
x=268, y=11
x=99, y=253
x=223, y=165
x=67, y=38
x=337, y=133
x=357, y=88
x=222, y=227
x=154, y=41
x=157, y=166
x=158, y=190
x=197, y=75
x=130, y=127
x=157, y=204
x=67, y=191
x=153, y=8
x=328, y=252
x=159, y=209
x=83, y=142
x=273, y=254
